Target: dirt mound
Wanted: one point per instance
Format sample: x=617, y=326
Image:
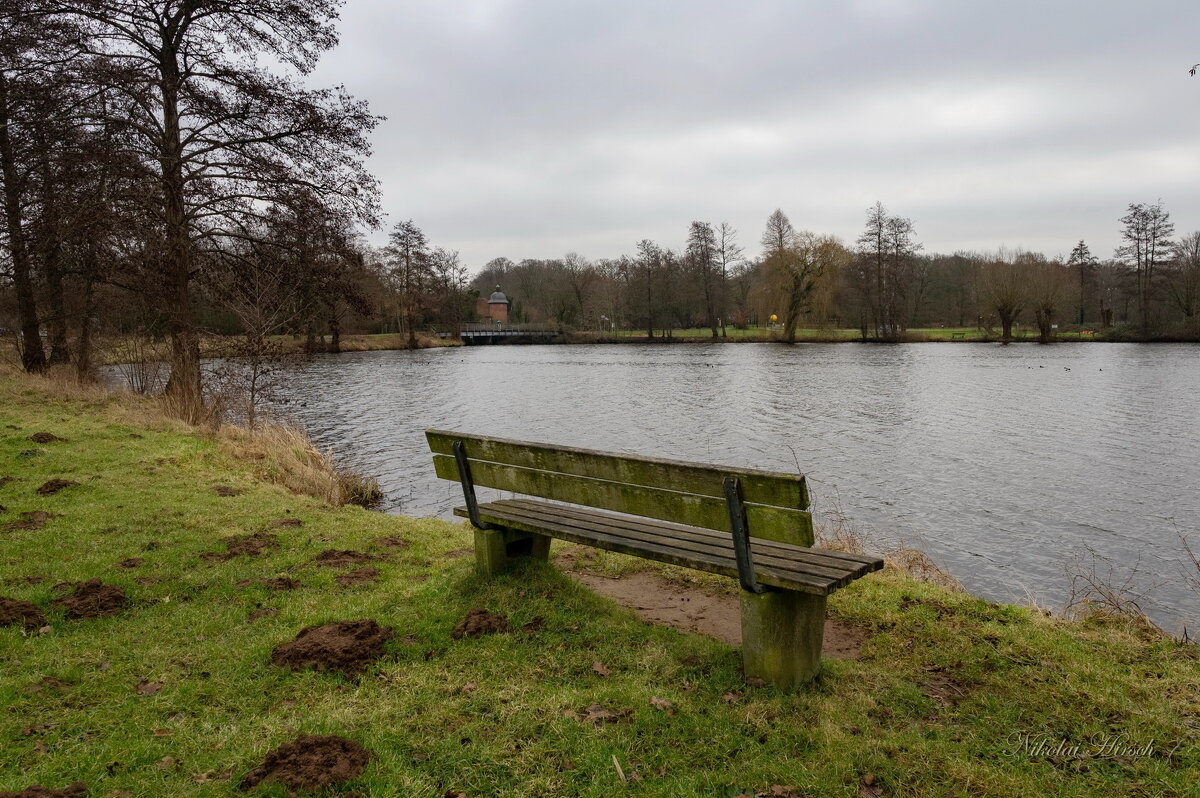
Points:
x=93, y=599
x=34, y=519
x=130, y=562
x=5, y=480
x=45, y=437
x=359, y=576
x=281, y=583
x=38, y=791
x=238, y=545
x=54, y=486
x=20, y=613
x=392, y=542
x=311, y=763
x=346, y=646
x=225, y=490
x=481, y=622
x=336, y=558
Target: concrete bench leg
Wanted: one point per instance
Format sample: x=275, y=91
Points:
x=495, y=548
x=782, y=632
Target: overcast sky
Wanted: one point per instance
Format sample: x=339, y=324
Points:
x=533, y=128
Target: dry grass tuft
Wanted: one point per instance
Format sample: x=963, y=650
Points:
x=839, y=533
x=283, y=454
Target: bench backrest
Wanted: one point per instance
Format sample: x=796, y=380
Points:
x=669, y=490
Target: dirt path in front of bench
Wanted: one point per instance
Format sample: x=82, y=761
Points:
x=692, y=609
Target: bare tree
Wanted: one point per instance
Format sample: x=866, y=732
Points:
x=409, y=267
x=703, y=259
x=1183, y=277
x=1003, y=288
x=1082, y=260
x=729, y=255
x=886, y=249
x=1048, y=281
x=1147, y=235
x=220, y=134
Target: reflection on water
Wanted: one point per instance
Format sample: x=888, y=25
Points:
x=1002, y=462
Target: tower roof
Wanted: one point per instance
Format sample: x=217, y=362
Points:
x=498, y=297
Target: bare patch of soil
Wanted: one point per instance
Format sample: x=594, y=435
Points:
x=345, y=646
x=45, y=437
x=54, y=486
x=338, y=558
x=311, y=763
x=943, y=688
x=460, y=553
x=359, y=576
x=691, y=609
x=5, y=480
x=14, y=612
x=93, y=599
x=281, y=583
x=286, y=522
x=262, y=612
x=225, y=490
x=130, y=562
x=481, y=622
x=79, y=788
x=392, y=542
x=46, y=683
x=239, y=545
x=34, y=519
x=26, y=580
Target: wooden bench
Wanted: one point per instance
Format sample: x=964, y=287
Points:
x=698, y=516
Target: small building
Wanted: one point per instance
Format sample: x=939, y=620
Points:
x=495, y=309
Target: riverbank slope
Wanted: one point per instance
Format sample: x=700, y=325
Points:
x=173, y=690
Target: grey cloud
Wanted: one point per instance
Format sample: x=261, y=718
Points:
x=529, y=129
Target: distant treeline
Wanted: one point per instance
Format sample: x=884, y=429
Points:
x=882, y=284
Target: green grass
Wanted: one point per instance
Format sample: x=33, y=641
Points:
x=834, y=334
x=146, y=490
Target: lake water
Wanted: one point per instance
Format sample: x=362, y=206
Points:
x=1004, y=463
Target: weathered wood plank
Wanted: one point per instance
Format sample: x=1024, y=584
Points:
x=827, y=557
x=773, y=523
x=700, y=541
x=699, y=562
x=774, y=488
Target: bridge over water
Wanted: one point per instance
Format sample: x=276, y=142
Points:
x=497, y=333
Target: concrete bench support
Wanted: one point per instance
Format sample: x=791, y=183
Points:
x=782, y=633
x=495, y=549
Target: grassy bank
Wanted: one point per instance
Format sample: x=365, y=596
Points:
x=175, y=693
x=113, y=351
x=835, y=335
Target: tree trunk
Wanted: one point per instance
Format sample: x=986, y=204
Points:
x=33, y=356
x=335, y=334
x=1044, y=328
x=184, y=384
x=1006, y=325
x=83, y=356
x=51, y=235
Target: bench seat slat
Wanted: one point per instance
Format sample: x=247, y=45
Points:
x=616, y=533
x=703, y=541
x=761, y=546
x=667, y=554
